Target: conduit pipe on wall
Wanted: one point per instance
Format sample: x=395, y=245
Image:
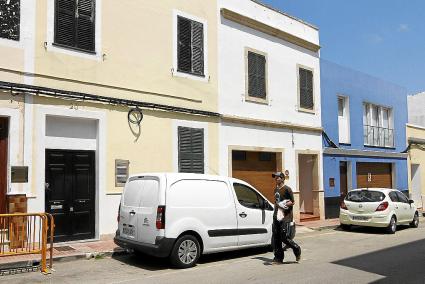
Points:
x=36, y=90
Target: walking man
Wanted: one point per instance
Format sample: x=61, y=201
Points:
x=284, y=201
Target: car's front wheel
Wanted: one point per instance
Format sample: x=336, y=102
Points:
x=186, y=252
x=415, y=221
x=392, y=226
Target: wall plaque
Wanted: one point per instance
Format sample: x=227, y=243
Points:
x=19, y=174
x=331, y=182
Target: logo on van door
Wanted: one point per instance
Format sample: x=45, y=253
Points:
x=146, y=222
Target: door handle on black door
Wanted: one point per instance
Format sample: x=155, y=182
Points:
x=243, y=214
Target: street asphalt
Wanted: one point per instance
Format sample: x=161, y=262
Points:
x=363, y=255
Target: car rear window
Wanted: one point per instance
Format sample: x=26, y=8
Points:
x=365, y=196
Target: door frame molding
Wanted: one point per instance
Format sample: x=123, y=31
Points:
x=319, y=179
x=13, y=146
x=43, y=144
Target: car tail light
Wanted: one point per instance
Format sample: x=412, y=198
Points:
x=118, y=216
x=343, y=206
x=382, y=206
x=160, y=217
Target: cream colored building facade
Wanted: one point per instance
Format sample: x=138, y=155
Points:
x=416, y=141
x=416, y=163
x=66, y=110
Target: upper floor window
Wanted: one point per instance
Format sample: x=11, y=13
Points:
x=75, y=24
x=305, y=89
x=256, y=76
x=343, y=120
x=190, y=48
x=377, y=126
x=10, y=19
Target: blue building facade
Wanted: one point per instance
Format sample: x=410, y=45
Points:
x=364, y=120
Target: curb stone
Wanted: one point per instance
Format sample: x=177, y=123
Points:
x=66, y=258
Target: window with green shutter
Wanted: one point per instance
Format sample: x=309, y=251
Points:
x=191, y=150
x=75, y=24
x=190, y=47
x=10, y=19
x=306, y=89
x=257, y=75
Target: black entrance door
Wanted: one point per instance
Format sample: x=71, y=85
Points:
x=70, y=193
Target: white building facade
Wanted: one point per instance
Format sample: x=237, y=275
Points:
x=269, y=99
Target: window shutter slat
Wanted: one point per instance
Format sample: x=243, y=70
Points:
x=184, y=45
x=65, y=22
x=191, y=150
x=10, y=19
x=306, y=89
x=86, y=25
x=256, y=75
x=197, y=48
x=75, y=23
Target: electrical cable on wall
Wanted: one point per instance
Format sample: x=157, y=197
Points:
x=61, y=94
x=135, y=116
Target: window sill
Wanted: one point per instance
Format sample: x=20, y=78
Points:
x=256, y=100
x=380, y=147
x=73, y=48
x=306, y=110
x=188, y=75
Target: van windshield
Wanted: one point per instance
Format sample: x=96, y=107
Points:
x=365, y=196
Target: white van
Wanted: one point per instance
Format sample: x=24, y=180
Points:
x=182, y=216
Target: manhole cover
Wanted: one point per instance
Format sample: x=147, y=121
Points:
x=64, y=248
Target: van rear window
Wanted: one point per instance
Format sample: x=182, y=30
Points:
x=141, y=193
x=365, y=196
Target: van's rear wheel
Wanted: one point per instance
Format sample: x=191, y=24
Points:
x=186, y=252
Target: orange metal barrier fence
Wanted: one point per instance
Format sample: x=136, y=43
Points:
x=22, y=233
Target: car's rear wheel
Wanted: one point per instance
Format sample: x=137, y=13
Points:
x=415, y=221
x=186, y=252
x=346, y=227
x=392, y=226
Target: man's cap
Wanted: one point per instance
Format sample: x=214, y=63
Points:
x=278, y=174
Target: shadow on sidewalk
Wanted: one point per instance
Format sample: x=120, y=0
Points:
x=154, y=263
x=369, y=230
x=398, y=264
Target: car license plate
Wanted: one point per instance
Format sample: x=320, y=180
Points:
x=360, y=218
x=128, y=231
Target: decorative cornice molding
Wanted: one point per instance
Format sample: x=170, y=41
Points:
x=362, y=153
x=269, y=123
x=259, y=26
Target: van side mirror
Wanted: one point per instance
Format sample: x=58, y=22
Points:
x=411, y=201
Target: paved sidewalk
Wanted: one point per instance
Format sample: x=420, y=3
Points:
x=106, y=247
x=64, y=252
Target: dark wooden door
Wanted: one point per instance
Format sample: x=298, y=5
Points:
x=70, y=193
x=343, y=188
x=374, y=175
x=4, y=135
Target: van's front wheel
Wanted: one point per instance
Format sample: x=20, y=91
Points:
x=186, y=252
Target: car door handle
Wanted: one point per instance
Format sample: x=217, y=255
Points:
x=132, y=213
x=243, y=215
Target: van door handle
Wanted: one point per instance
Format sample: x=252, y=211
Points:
x=132, y=212
x=243, y=215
